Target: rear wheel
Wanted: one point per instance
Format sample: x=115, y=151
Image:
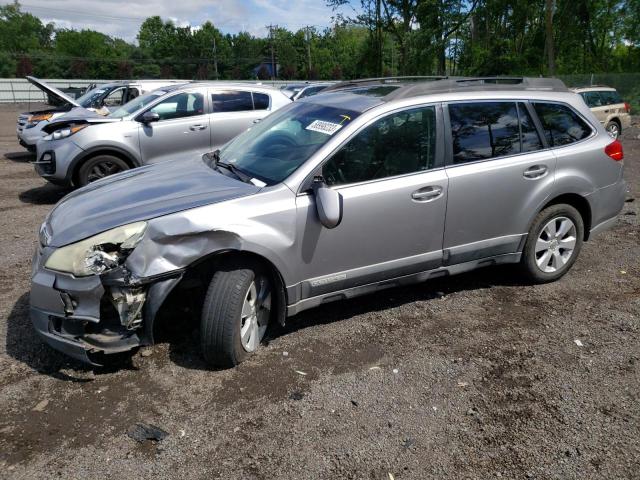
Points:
x=99, y=167
x=613, y=128
x=235, y=315
x=553, y=243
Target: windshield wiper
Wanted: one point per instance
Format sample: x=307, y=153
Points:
x=235, y=170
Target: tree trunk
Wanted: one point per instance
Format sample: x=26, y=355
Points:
x=551, y=58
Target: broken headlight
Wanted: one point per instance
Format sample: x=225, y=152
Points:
x=97, y=254
x=65, y=132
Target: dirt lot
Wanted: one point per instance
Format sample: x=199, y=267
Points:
x=476, y=376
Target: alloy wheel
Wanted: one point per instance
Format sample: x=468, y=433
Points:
x=555, y=244
x=256, y=310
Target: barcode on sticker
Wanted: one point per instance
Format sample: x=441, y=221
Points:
x=321, y=126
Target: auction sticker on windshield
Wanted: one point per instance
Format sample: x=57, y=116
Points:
x=322, y=126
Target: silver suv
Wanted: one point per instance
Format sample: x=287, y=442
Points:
x=186, y=119
x=100, y=99
x=338, y=195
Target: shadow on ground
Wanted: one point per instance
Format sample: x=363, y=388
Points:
x=20, y=157
x=45, y=195
x=184, y=345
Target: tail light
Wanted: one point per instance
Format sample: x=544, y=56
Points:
x=614, y=150
x=627, y=107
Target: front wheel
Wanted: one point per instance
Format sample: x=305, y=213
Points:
x=99, y=167
x=553, y=243
x=235, y=315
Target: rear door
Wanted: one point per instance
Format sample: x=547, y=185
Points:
x=499, y=172
x=181, y=132
x=233, y=111
x=596, y=103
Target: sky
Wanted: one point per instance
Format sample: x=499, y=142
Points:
x=122, y=18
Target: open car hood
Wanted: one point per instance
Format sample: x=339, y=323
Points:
x=52, y=91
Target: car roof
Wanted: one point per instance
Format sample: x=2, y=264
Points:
x=241, y=85
x=361, y=95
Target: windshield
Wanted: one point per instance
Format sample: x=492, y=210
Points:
x=273, y=149
x=137, y=103
x=91, y=98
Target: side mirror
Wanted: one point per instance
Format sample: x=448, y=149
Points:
x=150, y=117
x=328, y=203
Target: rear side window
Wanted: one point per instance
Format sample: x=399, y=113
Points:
x=610, y=98
x=561, y=125
x=484, y=130
x=231, y=101
x=592, y=99
x=260, y=101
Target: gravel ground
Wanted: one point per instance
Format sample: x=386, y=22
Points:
x=476, y=376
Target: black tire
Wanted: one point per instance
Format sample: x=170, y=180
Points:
x=221, y=322
x=98, y=167
x=613, y=128
x=531, y=258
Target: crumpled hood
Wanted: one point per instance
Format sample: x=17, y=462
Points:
x=140, y=194
x=78, y=115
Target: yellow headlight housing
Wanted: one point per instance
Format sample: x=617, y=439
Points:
x=35, y=119
x=99, y=253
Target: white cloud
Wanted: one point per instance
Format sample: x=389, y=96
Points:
x=122, y=18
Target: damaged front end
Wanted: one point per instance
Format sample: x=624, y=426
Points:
x=86, y=302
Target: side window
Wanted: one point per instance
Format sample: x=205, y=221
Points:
x=484, y=130
x=182, y=105
x=560, y=124
x=260, y=101
x=397, y=144
x=115, y=98
x=592, y=99
x=610, y=98
x=231, y=101
x=530, y=138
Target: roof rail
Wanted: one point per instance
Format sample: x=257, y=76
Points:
x=381, y=80
x=461, y=84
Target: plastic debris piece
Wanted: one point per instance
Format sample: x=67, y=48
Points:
x=463, y=384
x=145, y=431
x=182, y=433
x=354, y=403
x=395, y=370
x=391, y=477
x=623, y=272
x=578, y=342
x=300, y=372
x=41, y=405
x=375, y=367
x=285, y=354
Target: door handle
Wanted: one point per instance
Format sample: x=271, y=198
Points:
x=536, y=171
x=193, y=128
x=427, y=194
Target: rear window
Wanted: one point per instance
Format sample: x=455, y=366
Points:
x=561, y=125
x=491, y=129
x=592, y=99
x=231, y=101
x=610, y=97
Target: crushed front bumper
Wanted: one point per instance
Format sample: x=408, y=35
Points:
x=77, y=315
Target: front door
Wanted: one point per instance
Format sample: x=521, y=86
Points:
x=394, y=193
x=181, y=132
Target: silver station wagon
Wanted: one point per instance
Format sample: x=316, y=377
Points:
x=368, y=186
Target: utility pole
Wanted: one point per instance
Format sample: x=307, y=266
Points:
x=378, y=38
x=215, y=58
x=273, y=58
x=309, y=52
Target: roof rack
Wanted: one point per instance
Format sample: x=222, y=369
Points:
x=462, y=84
x=363, y=82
